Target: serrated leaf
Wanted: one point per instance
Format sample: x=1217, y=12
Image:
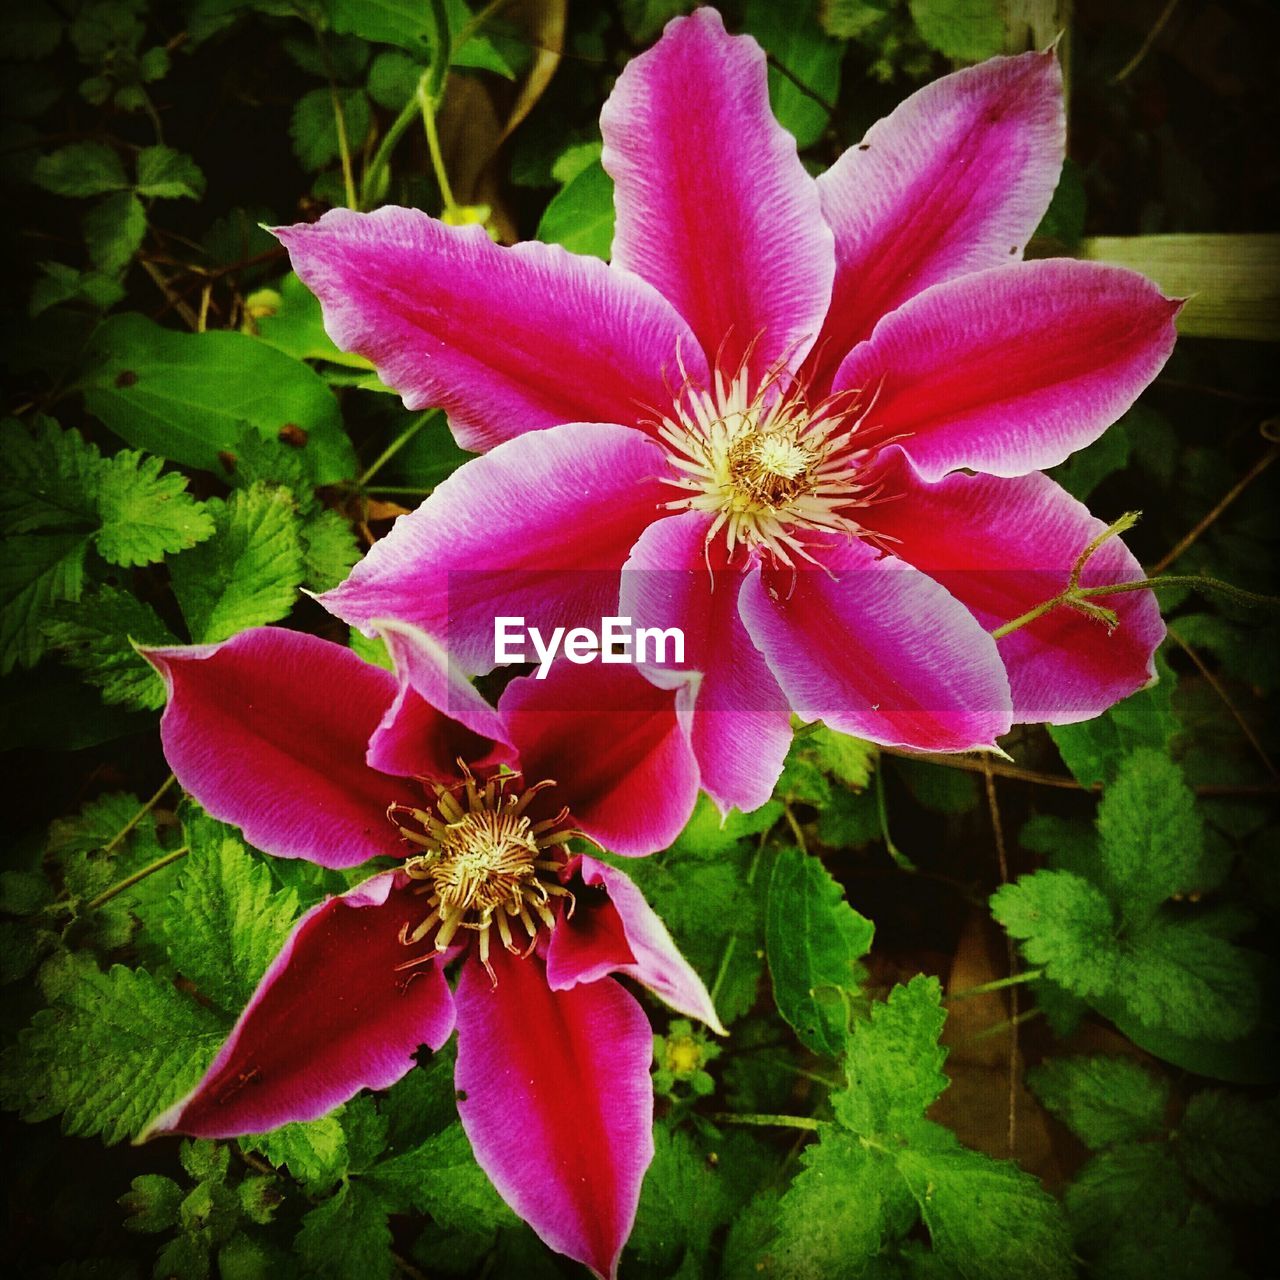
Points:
x=1230, y=1144
x=441, y=1177
x=82, y=169
x=225, y=924
x=330, y=550
x=793, y=37
x=1126, y=1185
x=966, y=29
x=1065, y=924
x=116, y=1049
x=288, y=317
x=1102, y=1100
x=987, y=1219
x=347, y=1236
x=35, y=574
x=846, y=19
x=813, y=940
x=313, y=126
x=48, y=478
x=152, y=1203
x=185, y=396
x=708, y=834
x=113, y=231
x=580, y=216
x=146, y=515
x=314, y=1152
x=894, y=1062
x=248, y=573
x=166, y=174
x=94, y=636
x=682, y=1202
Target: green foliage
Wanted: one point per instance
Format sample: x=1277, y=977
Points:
x=968, y=29
x=805, y=89
x=1102, y=1100
x=580, y=215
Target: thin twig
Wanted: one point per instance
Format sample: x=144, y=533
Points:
x=767, y=1121
x=996, y=984
x=997, y=829
x=1145, y=48
x=129, y=881
x=138, y=817
x=393, y=448
x=174, y=300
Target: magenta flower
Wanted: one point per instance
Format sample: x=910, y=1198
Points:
x=808, y=417
x=310, y=750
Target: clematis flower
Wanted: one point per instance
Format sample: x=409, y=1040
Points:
x=808, y=418
x=316, y=754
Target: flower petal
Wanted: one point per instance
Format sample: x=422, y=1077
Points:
x=739, y=723
x=1003, y=546
x=713, y=204
x=330, y=1017
x=506, y=340
x=539, y=529
x=554, y=1093
x=613, y=745
x=1010, y=370
x=875, y=648
x=955, y=180
x=619, y=932
x=268, y=730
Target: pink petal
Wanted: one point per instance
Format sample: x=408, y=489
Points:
x=956, y=179
x=1003, y=546
x=1010, y=370
x=554, y=1093
x=330, y=1017
x=613, y=745
x=506, y=340
x=713, y=204
x=619, y=932
x=268, y=731
x=438, y=717
x=738, y=720
x=875, y=648
x=538, y=529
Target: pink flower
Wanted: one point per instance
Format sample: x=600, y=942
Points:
x=311, y=750
x=807, y=417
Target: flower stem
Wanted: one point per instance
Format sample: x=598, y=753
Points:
x=430, y=94
x=382, y=156
x=807, y=1123
x=138, y=817
x=882, y=809
x=998, y=984
x=129, y=881
x=393, y=448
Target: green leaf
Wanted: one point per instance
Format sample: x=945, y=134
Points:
x=314, y=127
x=248, y=573
x=82, y=169
x=113, y=231
x=709, y=835
x=894, y=1063
x=846, y=19
x=1065, y=924
x=166, y=174
x=32, y=31
x=1064, y=221
x=146, y=515
x=115, y=1050
x=225, y=924
x=35, y=574
x=288, y=317
x=152, y=1204
x=1230, y=1144
x=580, y=215
x=848, y=759
x=185, y=396
x=1102, y=1100
x=813, y=941
x=794, y=39
x=1127, y=1185
x=441, y=1177
x=988, y=1220
x=966, y=29
x=329, y=550
x=314, y=1152
x=94, y=636
x=1085, y=470
x=682, y=1202
x=347, y=1236
x=48, y=479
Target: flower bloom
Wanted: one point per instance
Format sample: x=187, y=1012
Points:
x=310, y=751
x=808, y=418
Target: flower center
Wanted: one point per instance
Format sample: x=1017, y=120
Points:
x=484, y=863
x=768, y=467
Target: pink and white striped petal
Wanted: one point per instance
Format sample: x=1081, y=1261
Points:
x=713, y=205
x=269, y=729
x=554, y=1093
x=877, y=649
x=505, y=340
x=332, y=1015
x=619, y=932
x=736, y=716
x=504, y=535
x=1003, y=546
x=612, y=744
x=955, y=180
x=1011, y=370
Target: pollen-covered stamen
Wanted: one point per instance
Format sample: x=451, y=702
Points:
x=484, y=864
x=769, y=466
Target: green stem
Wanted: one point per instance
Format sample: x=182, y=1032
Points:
x=129, y=881
x=1006, y=1024
x=730, y=947
x=767, y=1121
x=999, y=984
x=382, y=156
x=431, y=93
x=138, y=817
x=393, y=448
x=903, y=862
